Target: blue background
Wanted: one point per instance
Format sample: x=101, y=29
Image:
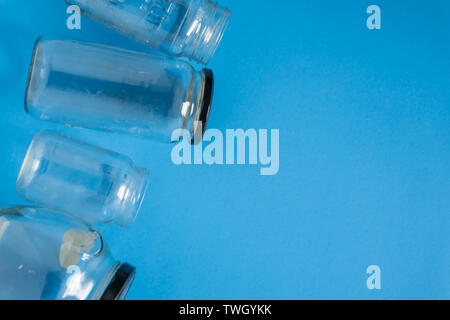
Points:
x=364, y=154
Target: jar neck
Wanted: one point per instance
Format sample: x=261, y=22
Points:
x=129, y=196
x=204, y=31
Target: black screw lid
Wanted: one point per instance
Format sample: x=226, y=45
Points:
x=207, y=103
x=120, y=283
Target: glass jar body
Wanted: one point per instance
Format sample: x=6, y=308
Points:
x=70, y=176
x=100, y=87
x=190, y=28
x=45, y=255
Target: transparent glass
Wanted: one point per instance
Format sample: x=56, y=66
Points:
x=68, y=175
x=190, y=28
x=46, y=255
x=100, y=87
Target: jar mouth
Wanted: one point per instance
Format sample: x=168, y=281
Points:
x=208, y=33
x=138, y=189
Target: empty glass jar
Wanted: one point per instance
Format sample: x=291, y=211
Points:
x=190, y=28
x=95, y=86
x=71, y=176
x=50, y=256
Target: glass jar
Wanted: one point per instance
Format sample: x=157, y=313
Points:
x=95, y=86
x=190, y=28
x=51, y=256
x=68, y=175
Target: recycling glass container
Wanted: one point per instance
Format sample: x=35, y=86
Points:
x=101, y=87
x=45, y=255
x=190, y=28
x=70, y=176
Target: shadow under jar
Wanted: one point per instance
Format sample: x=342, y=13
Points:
x=101, y=87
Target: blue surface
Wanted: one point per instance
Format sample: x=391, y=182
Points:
x=364, y=154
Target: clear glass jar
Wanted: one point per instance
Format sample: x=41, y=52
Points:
x=95, y=86
x=67, y=175
x=51, y=256
x=190, y=28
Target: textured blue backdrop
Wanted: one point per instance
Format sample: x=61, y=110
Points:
x=364, y=157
